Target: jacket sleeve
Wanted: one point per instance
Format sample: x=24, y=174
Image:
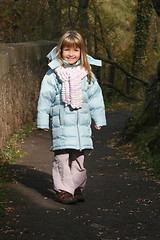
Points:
x=45, y=101
x=96, y=103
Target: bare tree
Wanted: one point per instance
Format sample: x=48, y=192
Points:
x=55, y=13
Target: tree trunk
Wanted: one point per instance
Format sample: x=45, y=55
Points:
x=149, y=119
x=55, y=12
x=143, y=20
x=83, y=17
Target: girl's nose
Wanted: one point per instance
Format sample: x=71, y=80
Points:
x=70, y=52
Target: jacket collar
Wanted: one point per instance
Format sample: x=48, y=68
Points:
x=56, y=63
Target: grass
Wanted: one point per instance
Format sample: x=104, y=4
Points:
x=152, y=161
x=123, y=104
x=137, y=152
x=9, y=154
x=12, y=149
x=138, y=148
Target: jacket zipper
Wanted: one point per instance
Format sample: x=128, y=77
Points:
x=78, y=132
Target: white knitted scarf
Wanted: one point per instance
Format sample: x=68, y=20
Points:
x=71, y=85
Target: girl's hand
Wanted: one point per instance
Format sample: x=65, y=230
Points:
x=98, y=128
x=46, y=130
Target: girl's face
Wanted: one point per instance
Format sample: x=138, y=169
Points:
x=71, y=54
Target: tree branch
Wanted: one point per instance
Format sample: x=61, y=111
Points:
x=110, y=85
x=122, y=69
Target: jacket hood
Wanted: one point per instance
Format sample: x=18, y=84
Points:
x=56, y=63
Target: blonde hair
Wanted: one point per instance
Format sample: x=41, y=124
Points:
x=74, y=39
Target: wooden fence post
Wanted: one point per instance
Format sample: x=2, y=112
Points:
x=111, y=78
x=127, y=85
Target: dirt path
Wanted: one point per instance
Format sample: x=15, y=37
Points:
x=121, y=203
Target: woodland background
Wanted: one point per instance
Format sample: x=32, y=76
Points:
x=125, y=31
x=124, y=34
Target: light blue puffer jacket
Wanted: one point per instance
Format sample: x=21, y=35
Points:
x=71, y=128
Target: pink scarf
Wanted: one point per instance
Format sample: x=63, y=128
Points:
x=71, y=85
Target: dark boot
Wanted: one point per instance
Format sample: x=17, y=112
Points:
x=79, y=195
x=65, y=197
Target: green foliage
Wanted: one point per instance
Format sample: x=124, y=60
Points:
x=117, y=21
x=8, y=155
x=13, y=151
x=18, y=23
x=127, y=15
x=141, y=141
x=109, y=30
x=119, y=17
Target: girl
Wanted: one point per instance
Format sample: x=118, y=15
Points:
x=71, y=96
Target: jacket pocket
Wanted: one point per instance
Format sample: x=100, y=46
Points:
x=55, y=116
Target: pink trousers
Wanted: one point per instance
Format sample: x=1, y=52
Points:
x=68, y=170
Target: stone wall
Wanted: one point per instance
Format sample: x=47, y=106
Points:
x=22, y=67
